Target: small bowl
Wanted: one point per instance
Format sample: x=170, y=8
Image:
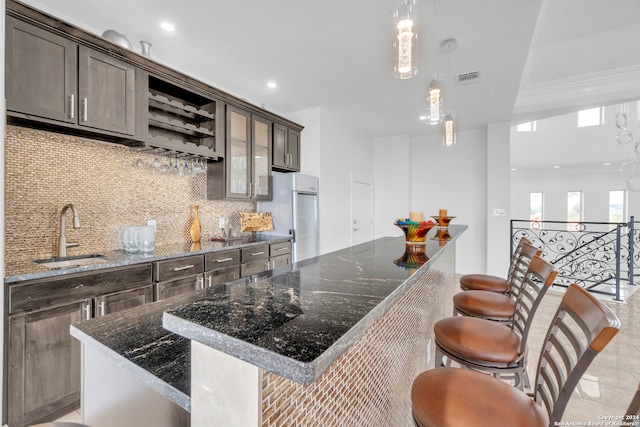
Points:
x=443, y=221
x=415, y=233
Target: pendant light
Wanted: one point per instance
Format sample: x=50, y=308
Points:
x=434, y=96
x=405, y=44
x=449, y=124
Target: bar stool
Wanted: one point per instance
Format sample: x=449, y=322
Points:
x=488, y=346
x=448, y=397
x=488, y=282
x=492, y=305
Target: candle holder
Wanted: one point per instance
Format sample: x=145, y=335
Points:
x=443, y=221
x=415, y=232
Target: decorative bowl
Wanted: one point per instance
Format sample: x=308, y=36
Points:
x=415, y=232
x=443, y=221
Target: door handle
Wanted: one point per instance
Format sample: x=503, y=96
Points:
x=72, y=106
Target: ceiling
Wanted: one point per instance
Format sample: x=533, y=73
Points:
x=536, y=57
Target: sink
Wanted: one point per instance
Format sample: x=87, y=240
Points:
x=72, y=261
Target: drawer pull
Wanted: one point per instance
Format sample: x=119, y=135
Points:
x=257, y=253
x=224, y=259
x=281, y=249
x=102, y=308
x=185, y=267
x=87, y=311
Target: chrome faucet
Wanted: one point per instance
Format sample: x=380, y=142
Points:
x=62, y=242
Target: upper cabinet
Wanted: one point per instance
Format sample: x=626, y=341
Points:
x=286, y=148
x=246, y=172
x=56, y=81
x=180, y=119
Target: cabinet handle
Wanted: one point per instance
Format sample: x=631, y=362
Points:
x=200, y=283
x=281, y=249
x=72, y=106
x=224, y=259
x=288, y=159
x=248, y=189
x=85, y=111
x=209, y=281
x=101, y=306
x=256, y=253
x=87, y=311
x=185, y=267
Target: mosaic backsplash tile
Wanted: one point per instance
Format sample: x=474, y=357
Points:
x=110, y=185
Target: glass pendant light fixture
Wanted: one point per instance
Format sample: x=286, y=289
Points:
x=449, y=120
x=434, y=98
x=405, y=44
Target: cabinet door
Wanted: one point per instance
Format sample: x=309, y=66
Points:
x=279, y=145
x=119, y=301
x=261, y=182
x=178, y=287
x=293, y=150
x=238, y=159
x=44, y=363
x=280, y=261
x=222, y=275
x=106, y=92
x=41, y=70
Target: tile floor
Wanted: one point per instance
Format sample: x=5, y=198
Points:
x=610, y=382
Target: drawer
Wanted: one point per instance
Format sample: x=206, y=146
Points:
x=221, y=275
x=217, y=260
x=178, y=267
x=255, y=253
x=276, y=249
x=180, y=286
x=280, y=260
x=50, y=292
x=254, y=267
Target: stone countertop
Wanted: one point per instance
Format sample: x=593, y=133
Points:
x=119, y=258
x=284, y=321
x=297, y=323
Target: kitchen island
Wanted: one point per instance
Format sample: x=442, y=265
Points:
x=335, y=340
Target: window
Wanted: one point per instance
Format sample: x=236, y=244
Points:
x=591, y=117
x=526, y=127
x=617, y=205
x=574, y=209
x=535, y=209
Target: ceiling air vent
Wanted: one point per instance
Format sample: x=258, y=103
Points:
x=466, y=78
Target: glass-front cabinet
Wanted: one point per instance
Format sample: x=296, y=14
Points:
x=248, y=161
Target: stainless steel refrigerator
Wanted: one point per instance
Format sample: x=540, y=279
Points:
x=295, y=212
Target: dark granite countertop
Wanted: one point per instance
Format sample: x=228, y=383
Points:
x=119, y=258
x=294, y=321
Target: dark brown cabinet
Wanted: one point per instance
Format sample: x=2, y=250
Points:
x=178, y=276
x=286, y=149
x=246, y=171
x=221, y=267
x=43, y=360
x=56, y=81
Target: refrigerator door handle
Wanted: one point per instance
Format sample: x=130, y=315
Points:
x=292, y=232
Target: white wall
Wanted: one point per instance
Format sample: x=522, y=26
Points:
x=335, y=152
x=436, y=177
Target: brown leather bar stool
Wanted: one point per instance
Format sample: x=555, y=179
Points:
x=492, y=305
x=448, y=397
x=488, y=282
x=488, y=346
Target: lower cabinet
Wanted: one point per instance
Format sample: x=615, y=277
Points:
x=175, y=287
x=42, y=358
x=44, y=363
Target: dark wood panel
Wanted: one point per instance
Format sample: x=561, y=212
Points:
x=254, y=253
x=120, y=301
x=254, y=267
x=32, y=295
x=282, y=248
x=44, y=363
x=40, y=72
x=222, y=275
x=174, y=268
x=217, y=260
x=178, y=287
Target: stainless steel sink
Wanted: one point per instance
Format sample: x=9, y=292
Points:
x=72, y=261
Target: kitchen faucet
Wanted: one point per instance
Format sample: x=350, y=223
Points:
x=62, y=242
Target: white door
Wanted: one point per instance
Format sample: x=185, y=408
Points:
x=361, y=212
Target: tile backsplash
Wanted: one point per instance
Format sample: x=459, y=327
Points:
x=45, y=171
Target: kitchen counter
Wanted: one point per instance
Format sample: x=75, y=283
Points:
x=119, y=258
x=295, y=323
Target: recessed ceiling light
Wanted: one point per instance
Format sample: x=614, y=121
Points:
x=514, y=169
x=606, y=164
x=423, y=117
x=556, y=167
x=272, y=85
x=168, y=26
